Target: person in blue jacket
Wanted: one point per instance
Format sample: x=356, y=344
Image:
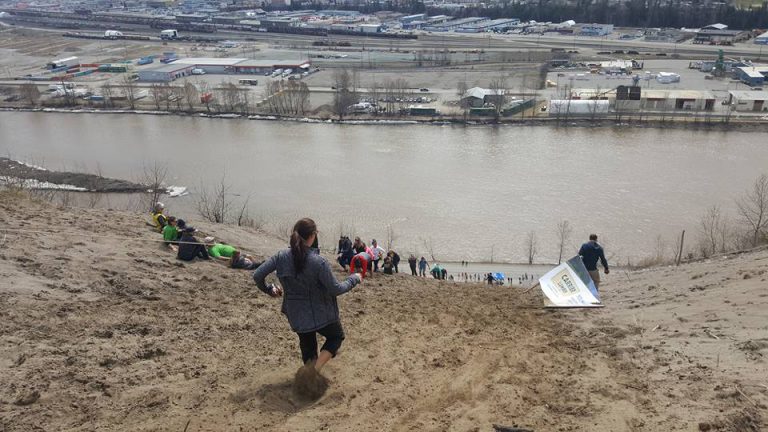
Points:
x=309, y=290
x=590, y=253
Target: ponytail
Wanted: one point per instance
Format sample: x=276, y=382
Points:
x=303, y=229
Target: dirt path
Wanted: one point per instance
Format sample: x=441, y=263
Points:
x=103, y=333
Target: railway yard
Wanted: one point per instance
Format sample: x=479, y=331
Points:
x=432, y=70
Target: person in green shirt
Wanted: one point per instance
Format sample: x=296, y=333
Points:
x=219, y=251
x=171, y=233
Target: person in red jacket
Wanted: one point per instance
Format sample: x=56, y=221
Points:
x=361, y=261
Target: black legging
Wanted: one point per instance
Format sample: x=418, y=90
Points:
x=333, y=334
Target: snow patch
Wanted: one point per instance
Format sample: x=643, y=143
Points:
x=37, y=184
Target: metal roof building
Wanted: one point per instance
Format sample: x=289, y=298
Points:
x=748, y=100
x=751, y=75
x=263, y=66
x=165, y=73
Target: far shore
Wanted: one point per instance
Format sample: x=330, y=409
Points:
x=644, y=120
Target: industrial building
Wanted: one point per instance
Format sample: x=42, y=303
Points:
x=427, y=21
x=165, y=73
x=412, y=18
x=454, y=24
x=564, y=107
x=183, y=67
x=719, y=34
x=630, y=98
x=670, y=100
x=499, y=25
x=753, y=76
x=263, y=66
x=211, y=65
x=669, y=35
x=595, y=29
x=748, y=100
x=477, y=97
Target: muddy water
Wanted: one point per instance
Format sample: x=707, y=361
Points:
x=468, y=193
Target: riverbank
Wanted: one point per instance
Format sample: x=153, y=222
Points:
x=34, y=177
x=642, y=120
x=112, y=333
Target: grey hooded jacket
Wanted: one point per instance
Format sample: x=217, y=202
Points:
x=309, y=298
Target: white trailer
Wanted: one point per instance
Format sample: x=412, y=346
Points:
x=169, y=34
x=112, y=34
x=667, y=77
x=68, y=62
x=578, y=107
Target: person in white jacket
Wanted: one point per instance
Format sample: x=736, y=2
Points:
x=377, y=252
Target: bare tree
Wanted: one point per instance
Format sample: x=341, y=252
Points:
x=69, y=93
x=287, y=99
x=344, y=94
x=389, y=96
x=346, y=228
x=233, y=98
x=374, y=92
x=461, y=88
x=532, y=245
x=498, y=87
x=710, y=227
x=153, y=176
x=753, y=210
x=168, y=95
x=594, y=104
x=284, y=228
x=206, y=95
x=430, y=248
x=129, y=90
x=190, y=95
x=660, y=249
x=461, y=91
x=108, y=93
x=214, y=203
x=244, y=217
x=391, y=236
x=403, y=91
x=94, y=196
x=564, y=231
x=157, y=93
x=29, y=93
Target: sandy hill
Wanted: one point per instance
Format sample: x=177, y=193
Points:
x=102, y=329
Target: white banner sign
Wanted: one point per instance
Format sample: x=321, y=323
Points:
x=569, y=285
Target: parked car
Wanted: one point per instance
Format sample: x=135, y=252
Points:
x=198, y=71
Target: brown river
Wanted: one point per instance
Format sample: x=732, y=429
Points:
x=472, y=193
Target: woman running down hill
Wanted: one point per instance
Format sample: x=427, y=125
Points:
x=309, y=290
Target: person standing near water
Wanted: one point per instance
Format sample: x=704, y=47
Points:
x=377, y=253
x=412, y=264
x=423, y=267
x=309, y=290
x=590, y=252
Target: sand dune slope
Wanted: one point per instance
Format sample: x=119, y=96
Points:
x=102, y=329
